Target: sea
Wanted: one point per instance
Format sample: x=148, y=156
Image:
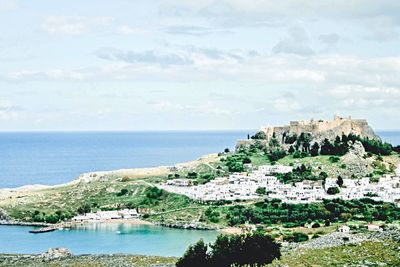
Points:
x=58, y=157
x=51, y=158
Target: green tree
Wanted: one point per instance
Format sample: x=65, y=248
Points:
x=333, y=190
x=339, y=181
x=195, y=256
x=260, y=135
x=261, y=190
x=314, y=150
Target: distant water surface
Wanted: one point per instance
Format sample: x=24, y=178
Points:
x=58, y=157
x=392, y=137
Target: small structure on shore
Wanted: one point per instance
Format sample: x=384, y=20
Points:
x=373, y=227
x=107, y=215
x=343, y=229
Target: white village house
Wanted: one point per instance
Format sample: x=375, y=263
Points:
x=243, y=187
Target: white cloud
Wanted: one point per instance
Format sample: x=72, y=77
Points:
x=129, y=30
x=70, y=25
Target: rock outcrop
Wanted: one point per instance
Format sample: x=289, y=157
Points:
x=55, y=253
x=356, y=164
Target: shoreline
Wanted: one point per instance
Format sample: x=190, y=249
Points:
x=131, y=173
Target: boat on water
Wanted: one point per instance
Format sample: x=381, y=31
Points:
x=43, y=230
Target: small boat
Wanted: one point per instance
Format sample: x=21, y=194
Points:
x=43, y=230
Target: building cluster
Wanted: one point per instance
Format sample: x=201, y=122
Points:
x=240, y=186
x=107, y=215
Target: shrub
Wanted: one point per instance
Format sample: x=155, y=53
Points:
x=333, y=190
x=123, y=192
x=296, y=237
x=316, y=225
x=232, y=250
x=261, y=191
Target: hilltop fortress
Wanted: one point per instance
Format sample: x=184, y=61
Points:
x=319, y=129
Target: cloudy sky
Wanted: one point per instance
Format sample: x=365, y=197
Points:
x=189, y=64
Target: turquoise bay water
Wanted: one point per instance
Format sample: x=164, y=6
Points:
x=104, y=239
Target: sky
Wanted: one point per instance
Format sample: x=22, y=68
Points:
x=196, y=65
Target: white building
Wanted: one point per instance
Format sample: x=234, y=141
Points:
x=243, y=187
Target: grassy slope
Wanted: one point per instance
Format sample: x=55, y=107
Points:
x=104, y=193
x=364, y=254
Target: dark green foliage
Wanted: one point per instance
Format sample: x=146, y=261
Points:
x=123, y=192
x=86, y=208
x=205, y=178
x=56, y=217
x=232, y=250
x=235, y=162
x=304, y=141
x=291, y=150
x=52, y=218
x=298, y=174
x=212, y=215
x=315, y=225
x=192, y=175
x=261, y=191
x=334, y=159
x=290, y=139
x=314, y=150
x=299, y=154
x=339, y=181
x=326, y=147
x=259, y=135
x=322, y=176
x=273, y=143
x=195, y=256
x=296, y=237
x=275, y=211
x=246, y=160
x=333, y=190
x=276, y=155
x=373, y=146
x=153, y=195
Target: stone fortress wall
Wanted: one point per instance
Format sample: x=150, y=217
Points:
x=321, y=129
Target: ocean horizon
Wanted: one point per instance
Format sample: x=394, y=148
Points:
x=51, y=158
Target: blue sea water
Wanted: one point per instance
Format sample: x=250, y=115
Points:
x=392, y=137
x=58, y=157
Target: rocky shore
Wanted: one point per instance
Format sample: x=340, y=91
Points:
x=64, y=257
x=336, y=239
x=19, y=223
x=187, y=226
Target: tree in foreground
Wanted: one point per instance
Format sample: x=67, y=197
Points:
x=195, y=255
x=232, y=250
